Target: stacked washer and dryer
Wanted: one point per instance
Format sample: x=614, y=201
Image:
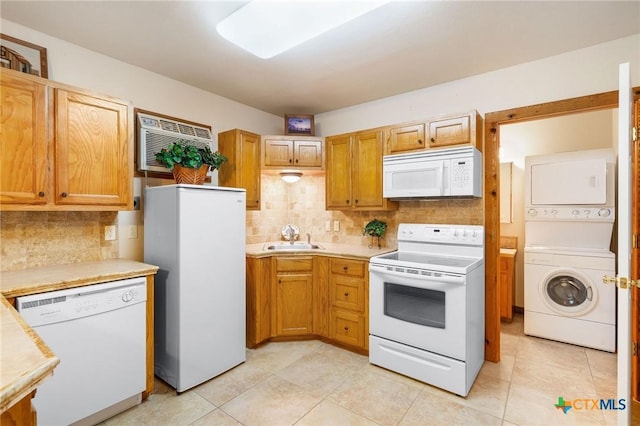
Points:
x=569, y=219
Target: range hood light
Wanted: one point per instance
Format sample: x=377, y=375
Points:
x=290, y=176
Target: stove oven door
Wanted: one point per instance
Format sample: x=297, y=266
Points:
x=425, y=310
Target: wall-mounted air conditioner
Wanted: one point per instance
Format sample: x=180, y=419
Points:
x=155, y=133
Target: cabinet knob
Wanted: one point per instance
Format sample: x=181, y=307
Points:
x=290, y=161
x=257, y=201
x=347, y=201
x=63, y=195
x=279, y=281
x=433, y=140
x=346, y=294
x=345, y=268
x=40, y=194
x=346, y=328
x=356, y=201
x=419, y=141
x=297, y=161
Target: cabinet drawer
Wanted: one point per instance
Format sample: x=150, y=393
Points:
x=293, y=264
x=354, y=268
x=347, y=327
x=347, y=292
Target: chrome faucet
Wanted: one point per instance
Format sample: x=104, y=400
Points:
x=292, y=234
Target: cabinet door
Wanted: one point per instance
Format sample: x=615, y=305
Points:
x=23, y=141
x=250, y=168
x=338, y=179
x=506, y=286
x=278, y=153
x=294, y=304
x=307, y=153
x=406, y=138
x=93, y=163
x=450, y=131
x=367, y=169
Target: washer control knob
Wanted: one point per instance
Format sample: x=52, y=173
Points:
x=575, y=212
x=587, y=212
x=532, y=212
x=604, y=212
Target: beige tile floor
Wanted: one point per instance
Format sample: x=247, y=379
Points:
x=313, y=383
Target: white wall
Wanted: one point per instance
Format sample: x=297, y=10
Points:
x=573, y=74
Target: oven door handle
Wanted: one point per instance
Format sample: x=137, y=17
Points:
x=442, y=278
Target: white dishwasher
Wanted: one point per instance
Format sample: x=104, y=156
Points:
x=99, y=334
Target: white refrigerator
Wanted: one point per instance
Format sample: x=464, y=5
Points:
x=196, y=235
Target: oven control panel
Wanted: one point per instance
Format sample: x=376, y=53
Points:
x=444, y=234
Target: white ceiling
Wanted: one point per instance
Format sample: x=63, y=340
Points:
x=402, y=46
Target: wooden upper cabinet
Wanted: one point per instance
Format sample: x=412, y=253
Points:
x=338, y=178
x=63, y=148
x=456, y=130
x=93, y=164
x=354, y=172
x=367, y=170
x=242, y=149
x=405, y=138
x=300, y=153
x=23, y=142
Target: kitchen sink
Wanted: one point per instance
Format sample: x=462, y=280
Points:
x=294, y=246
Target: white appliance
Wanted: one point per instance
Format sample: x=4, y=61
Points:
x=447, y=172
x=99, y=334
x=565, y=298
x=570, y=199
x=196, y=235
x=426, y=305
x=155, y=133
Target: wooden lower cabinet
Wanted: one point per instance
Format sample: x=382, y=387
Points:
x=307, y=296
x=22, y=413
x=506, y=277
x=349, y=298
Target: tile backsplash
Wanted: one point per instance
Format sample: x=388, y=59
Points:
x=303, y=204
x=29, y=239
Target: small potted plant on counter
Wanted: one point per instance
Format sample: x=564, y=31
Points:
x=375, y=229
x=189, y=163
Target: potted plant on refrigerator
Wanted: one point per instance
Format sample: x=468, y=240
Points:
x=189, y=163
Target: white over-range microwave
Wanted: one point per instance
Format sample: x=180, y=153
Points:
x=447, y=172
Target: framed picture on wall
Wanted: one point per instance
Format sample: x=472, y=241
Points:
x=23, y=56
x=299, y=124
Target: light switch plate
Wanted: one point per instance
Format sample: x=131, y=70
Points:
x=327, y=225
x=336, y=225
x=133, y=232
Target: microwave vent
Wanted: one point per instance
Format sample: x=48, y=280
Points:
x=155, y=133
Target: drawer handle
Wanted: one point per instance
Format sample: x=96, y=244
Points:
x=41, y=194
x=346, y=294
x=64, y=195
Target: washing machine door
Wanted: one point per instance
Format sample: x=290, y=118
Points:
x=569, y=293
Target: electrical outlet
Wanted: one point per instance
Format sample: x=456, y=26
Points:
x=336, y=225
x=327, y=225
x=110, y=233
x=133, y=232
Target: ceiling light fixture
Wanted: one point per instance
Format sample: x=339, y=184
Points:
x=267, y=28
x=290, y=176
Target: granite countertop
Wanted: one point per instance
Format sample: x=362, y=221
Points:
x=59, y=277
x=25, y=359
x=328, y=249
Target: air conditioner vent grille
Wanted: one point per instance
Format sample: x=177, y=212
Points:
x=153, y=137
